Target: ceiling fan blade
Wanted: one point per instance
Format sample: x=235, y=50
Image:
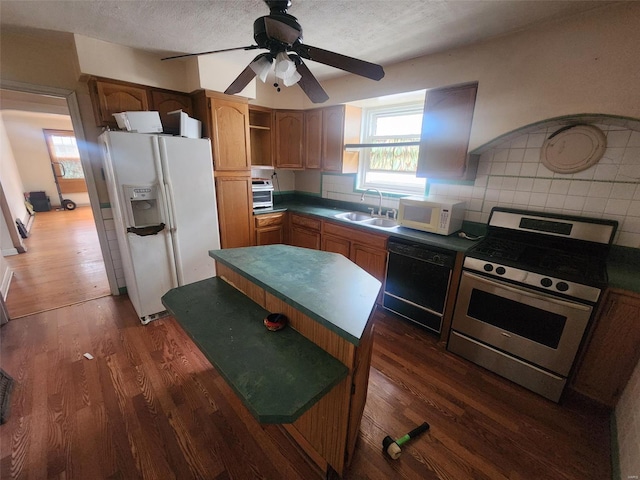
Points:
x=308, y=82
x=277, y=28
x=250, y=47
x=348, y=64
x=241, y=81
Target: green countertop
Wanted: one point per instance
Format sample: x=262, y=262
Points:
x=325, y=286
x=278, y=375
x=623, y=268
x=449, y=242
x=623, y=265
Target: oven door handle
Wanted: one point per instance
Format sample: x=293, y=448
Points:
x=525, y=291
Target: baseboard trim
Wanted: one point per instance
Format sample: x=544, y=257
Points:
x=8, y=252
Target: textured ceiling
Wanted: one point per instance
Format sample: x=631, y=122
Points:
x=380, y=31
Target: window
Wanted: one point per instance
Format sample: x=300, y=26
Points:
x=65, y=159
x=391, y=167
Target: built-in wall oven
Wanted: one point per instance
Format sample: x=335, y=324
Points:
x=417, y=282
x=527, y=295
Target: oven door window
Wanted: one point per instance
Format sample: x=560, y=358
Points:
x=538, y=325
x=263, y=196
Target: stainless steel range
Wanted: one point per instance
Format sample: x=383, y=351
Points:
x=527, y=294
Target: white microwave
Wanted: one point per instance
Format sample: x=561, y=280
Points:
x=431, y=214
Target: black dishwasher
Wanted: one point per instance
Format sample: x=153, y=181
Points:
x=417, y=282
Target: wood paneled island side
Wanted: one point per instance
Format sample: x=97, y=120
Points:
x=312, y=376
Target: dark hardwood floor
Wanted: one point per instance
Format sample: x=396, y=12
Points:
x=149, y=405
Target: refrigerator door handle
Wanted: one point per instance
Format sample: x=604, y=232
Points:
x=159, y=153
x=171, y=210
x=144, y=231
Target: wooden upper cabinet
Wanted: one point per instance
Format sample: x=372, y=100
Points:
x=289, y=130
x=164, y=102
x=332, y=138
x=313, y=139
x=446, y=125
x=230, y=134
x=261, y=132
x=111, y=96
x=340, y=125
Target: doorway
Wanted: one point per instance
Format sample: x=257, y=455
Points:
x=64, y=261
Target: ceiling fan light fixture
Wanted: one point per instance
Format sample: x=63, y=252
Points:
x=285, y=68
x=292, y=79
x=261, y=67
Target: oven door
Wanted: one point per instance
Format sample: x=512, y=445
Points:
x=530, y=325
x=262, y=198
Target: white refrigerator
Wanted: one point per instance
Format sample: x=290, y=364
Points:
x=163, y=200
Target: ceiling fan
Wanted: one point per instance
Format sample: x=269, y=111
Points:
x=281, y=34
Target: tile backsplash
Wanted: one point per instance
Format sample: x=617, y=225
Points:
x=510, y=174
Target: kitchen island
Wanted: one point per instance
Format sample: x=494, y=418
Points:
x=310, y=377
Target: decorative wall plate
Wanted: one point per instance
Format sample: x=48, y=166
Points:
x=573, y=149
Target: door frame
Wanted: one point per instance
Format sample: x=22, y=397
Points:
x=85, y=160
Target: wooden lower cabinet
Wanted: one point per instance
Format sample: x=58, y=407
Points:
x=370, y=259
x=328, y=431
x=235, y=211
x=305, y=231
x=331, y=243
x=612, y=349
x=269, y=228
x=367, y=250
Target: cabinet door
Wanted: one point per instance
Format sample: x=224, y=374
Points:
x=269, y=228
x=332, y=138
x=234, y=211
x=270, y=235
x=370, y=259
x=446, y=125
x=231, y=144
x=612, y=351
x=331, y=243
x=114, y=97
x=165, y=102
x=313, y=139
x=302, y=237
x=289, y=131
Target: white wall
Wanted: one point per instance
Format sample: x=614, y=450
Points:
x=24, y=131
x=12, y=188
x=213, y=72
x=104, y=59
x=587, y=64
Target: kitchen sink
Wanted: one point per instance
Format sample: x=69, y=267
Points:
x=367, y=219
x=354, y=216
x=381, y=222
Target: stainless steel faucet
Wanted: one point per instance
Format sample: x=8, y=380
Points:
x=380, y=202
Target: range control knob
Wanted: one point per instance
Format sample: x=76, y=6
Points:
x=500, y=270
x=562, y=286
x=546, y=282
x=488, y=267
